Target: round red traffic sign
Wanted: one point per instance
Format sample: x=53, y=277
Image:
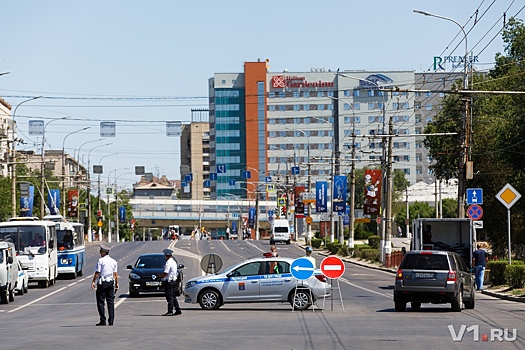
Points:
x=475, y=212
x=332, y=267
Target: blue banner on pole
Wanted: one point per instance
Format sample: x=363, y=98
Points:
x=251, y=218
x=321, y=196
x=122, y=213
x=53, y=200
x=339, y=195
x=26, y=203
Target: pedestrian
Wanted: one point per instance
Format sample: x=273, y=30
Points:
x=480, y=262
x=309, y=256
x=169, y=278
x=105, y=281
x=273, y=249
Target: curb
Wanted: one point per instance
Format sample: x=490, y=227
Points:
x=504, y=296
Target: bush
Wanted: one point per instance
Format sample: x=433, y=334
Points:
x=316, y=242
x=334, y=248
x=370, y=254
x=515, y=275
x=373, y=241
x=497, y=272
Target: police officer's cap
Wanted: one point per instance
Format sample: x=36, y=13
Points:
x=104, y=248
x=308, y=249
x=168, y=252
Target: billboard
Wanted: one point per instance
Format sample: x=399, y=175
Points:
x=373, y=183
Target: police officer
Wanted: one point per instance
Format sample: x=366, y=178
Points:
x=308, y=255
x=105, y=281
x=169, y=277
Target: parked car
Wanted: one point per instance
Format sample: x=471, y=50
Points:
x=256, y=280
x=8, y=272
x=218, y=234
x=143, y=277
x=431, y=276
x=23, y=280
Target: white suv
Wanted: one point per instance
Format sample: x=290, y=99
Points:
x=280, y=231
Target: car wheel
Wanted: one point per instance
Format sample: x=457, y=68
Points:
x=209, y=300
x=301, y=299
x=12, y=295
x=3, y=297
x=25, y=288
x=415, y=305
x=20, y=291
x=288, y=242
x=80, y=273
x=43, y=284
x=400, y=306
x=457, y=304
x=133, y=294
x=472, y=300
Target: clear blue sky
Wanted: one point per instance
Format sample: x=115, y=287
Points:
x=80, y=56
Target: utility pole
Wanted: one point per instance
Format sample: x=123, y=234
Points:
x=390, y=189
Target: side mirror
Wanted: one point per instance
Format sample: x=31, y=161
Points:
x=9, y=259
x=403, y=250
x=129, y=267
x=229, y=274
x=51, y=244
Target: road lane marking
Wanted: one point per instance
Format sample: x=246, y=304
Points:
x=368, y=290
x=37, y=300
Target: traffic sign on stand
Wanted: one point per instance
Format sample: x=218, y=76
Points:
x=302, y=268
x=332, y=267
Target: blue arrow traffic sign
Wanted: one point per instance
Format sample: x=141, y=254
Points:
x=221, y=168
x=474, y=196
x=302, y=268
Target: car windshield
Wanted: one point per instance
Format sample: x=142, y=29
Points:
x=151, y=262
x=425, y=262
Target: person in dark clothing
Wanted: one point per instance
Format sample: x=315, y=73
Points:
x=480, y=262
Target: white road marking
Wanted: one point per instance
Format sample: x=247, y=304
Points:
x=37, y=300
x=368, y=290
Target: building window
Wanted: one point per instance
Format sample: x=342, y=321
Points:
x=296, y=94
x=428, y=94
x=370, y=93
x=346, y=93
x=296, y=107
x=271, y=94
x=406, y=171
x=271, y=108
x=356, y=93
x=395, y=105
x=357, y=106
x=346, y=106
x=428, y=107
x=371, y=105
x=306, y=93
x=320, y=107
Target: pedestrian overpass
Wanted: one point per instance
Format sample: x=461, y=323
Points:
x=188, y=213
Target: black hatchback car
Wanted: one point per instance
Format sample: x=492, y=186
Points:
x=431, y=276
x=143, y=277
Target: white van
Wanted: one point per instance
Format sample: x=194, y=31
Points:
x=8, y=272
x=280, y=231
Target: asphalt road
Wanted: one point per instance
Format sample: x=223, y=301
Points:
x=63, y=316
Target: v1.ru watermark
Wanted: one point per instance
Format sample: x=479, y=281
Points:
x=499, y=334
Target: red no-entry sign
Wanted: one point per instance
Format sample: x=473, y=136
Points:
x=332, y=267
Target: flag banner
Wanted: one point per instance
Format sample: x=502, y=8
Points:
x=299, y=205
x=26, y=203
x=53, y=202
x=339, y=195
x=372, y=205
x=72, y=203
x=321, y=196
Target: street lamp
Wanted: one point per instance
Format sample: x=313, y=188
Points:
x=88, y=196
x=386, y=227
x=13, y=156
x=64, y=169
x=77, y=157
x=462, y=175
x=43, y=168
x=352, y=179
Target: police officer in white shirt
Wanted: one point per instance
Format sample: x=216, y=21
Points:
x=105, y=281
x=169, y=278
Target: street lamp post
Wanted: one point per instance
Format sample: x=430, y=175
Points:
x=64, y=169
x=352, y=180
x=43, y=168
x=462, y=171
x=88, y=196
x=256, y=203
x=309, y=185
x=386, y=222
x=13, y=156
x=99, y=207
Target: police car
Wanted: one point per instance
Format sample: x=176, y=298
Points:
x=254, y=281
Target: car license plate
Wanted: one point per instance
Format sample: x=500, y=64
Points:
x=152, y=284
x=424, y=275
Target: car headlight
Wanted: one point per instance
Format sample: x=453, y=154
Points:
x=190, y=284
x=134, y=276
